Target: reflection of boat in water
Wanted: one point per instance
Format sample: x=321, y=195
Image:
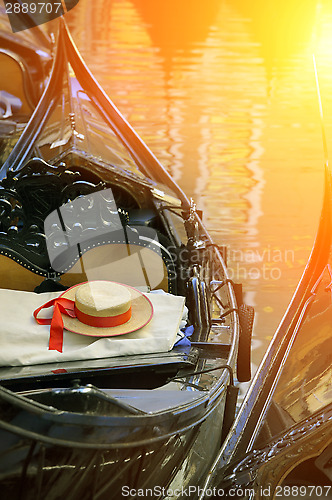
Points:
x=281, y=441
x=83, y=198
x=179, y=30
x=280, y=28
x=175, y=26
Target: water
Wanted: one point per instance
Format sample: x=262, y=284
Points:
x=224, y=94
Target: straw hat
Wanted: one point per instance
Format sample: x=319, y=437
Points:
x=102, y=303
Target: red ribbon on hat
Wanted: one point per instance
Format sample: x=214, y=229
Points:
x=67, y=307
x=103, y=321
x=61, y=305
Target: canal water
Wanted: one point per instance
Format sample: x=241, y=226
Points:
x=224, y=93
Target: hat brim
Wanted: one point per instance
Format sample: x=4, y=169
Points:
x=141, y=315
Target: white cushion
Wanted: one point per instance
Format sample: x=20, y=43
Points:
x=24, y=342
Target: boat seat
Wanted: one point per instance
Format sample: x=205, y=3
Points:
x=85, y=238
x=137, y=257
x=15, y=81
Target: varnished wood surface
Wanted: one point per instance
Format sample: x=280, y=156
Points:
x=12, y=80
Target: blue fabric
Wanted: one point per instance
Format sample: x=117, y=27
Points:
x=187, y=332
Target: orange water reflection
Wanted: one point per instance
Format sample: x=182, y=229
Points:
x=224, y=94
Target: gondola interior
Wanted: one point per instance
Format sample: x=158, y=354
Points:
x=82, y=198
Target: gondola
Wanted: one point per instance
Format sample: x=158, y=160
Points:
x=83, y=199
x=280, y=444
